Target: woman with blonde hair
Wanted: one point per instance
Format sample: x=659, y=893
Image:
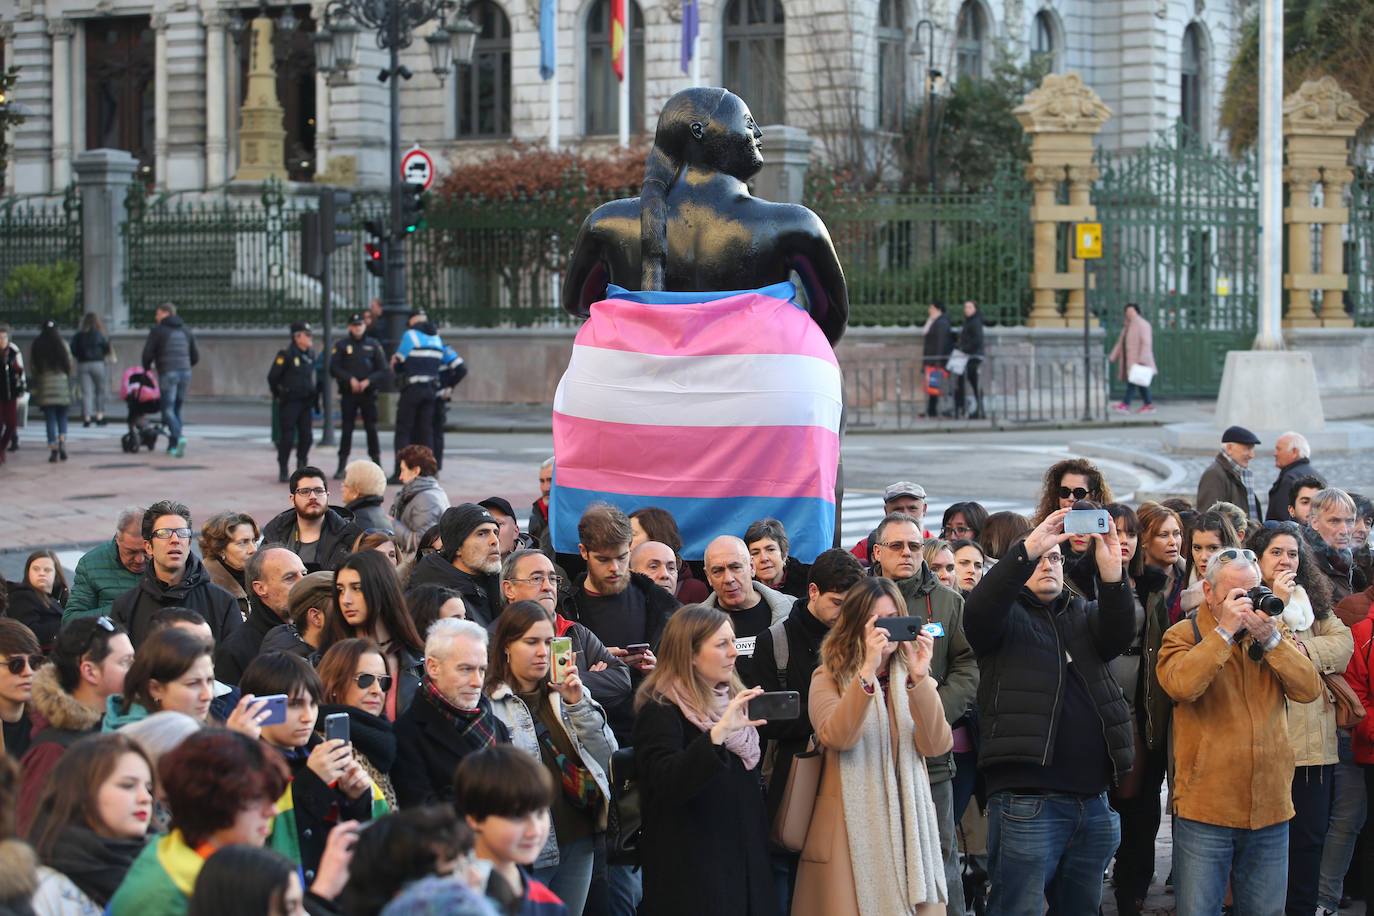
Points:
x=874, y=844
x=704, y=848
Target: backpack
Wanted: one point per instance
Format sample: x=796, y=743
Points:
x=780, y=650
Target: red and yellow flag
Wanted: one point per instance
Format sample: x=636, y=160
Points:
x=618, y=38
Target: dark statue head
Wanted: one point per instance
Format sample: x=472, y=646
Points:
x=708, y=127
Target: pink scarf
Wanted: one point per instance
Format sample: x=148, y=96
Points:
x=743, y=743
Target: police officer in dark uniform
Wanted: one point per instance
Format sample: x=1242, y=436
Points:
x=359, y=365
x=295, y=386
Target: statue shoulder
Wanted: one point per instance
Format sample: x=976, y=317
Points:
x=612, y=213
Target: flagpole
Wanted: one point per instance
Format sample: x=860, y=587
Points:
x=553, y=91
x=625, y=84
x=696, y=60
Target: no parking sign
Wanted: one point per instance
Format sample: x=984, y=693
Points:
x=418, y=166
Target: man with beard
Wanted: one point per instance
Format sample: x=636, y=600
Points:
x=753, y=607
x=311, y=529
x=622, y=608
x=508, y=534
x=173, y=577
x=104, y=573
x=469, y=561
x=270, y=573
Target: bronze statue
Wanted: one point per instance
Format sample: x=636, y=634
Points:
x=696, y=228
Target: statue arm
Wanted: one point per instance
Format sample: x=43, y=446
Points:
x=586, y=277
x=814, y=259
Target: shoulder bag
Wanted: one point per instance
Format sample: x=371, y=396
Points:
x=623, y=823
x=793, y=819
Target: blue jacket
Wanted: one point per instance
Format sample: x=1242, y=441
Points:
x=426, y=359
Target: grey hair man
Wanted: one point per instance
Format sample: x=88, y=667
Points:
x=1293, y=458
x=1330, y=533
x=449, y=717
x=104, y=573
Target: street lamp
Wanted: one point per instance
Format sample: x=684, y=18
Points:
x=395, y=22
x=932, y=87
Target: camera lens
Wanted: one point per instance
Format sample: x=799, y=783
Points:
x=1266, y=601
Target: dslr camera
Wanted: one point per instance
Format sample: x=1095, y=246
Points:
x=1265, y=600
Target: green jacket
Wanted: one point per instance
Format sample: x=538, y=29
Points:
x=953, y=665
x=160, y=881
x=50, y=388
x=100, y=579
x=115, y=720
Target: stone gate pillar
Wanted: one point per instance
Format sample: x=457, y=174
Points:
x=1061, y=116
x=1318, y=122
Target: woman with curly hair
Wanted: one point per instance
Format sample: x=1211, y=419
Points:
x=227, y=540
x=1068, y=481
x=52, y=369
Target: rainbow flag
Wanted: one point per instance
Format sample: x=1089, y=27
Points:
x=618, y=38
x=723, y=408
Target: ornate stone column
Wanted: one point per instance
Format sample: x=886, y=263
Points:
x=261, y=135
x=160, y=119
x=61, y=31
x=216, y=122
x=1061, y=116
x=1318, y=122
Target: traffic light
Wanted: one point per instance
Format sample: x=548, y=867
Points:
x=412, y=207
x=335, y=220
x=376, y=249
x=312, y=260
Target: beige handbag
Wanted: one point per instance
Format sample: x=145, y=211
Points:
x=799, y=798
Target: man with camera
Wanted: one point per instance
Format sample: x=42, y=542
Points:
x=1231, y=669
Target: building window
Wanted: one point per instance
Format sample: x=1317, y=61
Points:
x=891, y=64
x=968, y=44
x=1192, y=76
x=603, y=89
x=119, y=87
x=1042, y=42
x=755, y=57
x=483, y=87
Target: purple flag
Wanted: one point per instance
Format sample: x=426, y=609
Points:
x=690, y=26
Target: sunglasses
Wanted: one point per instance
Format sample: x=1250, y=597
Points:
x=1231, y=554
x=18, y=663
x=896, y=546
x=166, y=534
x=364, y=681
x=1076, y=493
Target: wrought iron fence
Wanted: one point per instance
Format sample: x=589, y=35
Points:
x=1359, y=250
x=41, y=233
x=900, y=250
x=891, y=394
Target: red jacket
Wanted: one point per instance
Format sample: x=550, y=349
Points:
x=1357, y=674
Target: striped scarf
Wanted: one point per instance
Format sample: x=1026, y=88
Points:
x=1247, y=477
x=476, y=727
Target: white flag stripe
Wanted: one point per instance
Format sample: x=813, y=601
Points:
x=649, y=388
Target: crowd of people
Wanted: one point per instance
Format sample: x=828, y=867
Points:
x=358, y=708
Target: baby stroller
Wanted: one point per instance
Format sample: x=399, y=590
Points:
x=138, y=387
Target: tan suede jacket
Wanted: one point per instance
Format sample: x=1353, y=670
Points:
x=1233, y=765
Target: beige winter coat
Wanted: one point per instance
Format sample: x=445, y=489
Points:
x=1312, y=726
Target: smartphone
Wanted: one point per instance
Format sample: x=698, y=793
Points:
x=336, y=725
x=1087, y=521
x=562, y=651
x=781, y=704
x=901, y=629
x=636, y=650
x=276, y=709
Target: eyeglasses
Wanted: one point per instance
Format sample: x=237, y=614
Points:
x=166, y=534
x=105, y=624
x=310, y=491
x=1284, y=526
x=1076, y=493
x=18, y=663
x=364, y=681
x=538, y=580
x=1054, y=559
x=1231, y=554
x=913, y=546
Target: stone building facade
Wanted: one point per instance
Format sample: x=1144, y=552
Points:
x=164, y=79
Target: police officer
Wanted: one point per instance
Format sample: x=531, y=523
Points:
x=295, y=386
x=358, y=364
x=421, y=362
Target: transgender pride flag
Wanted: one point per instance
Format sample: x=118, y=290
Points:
x=723, y=408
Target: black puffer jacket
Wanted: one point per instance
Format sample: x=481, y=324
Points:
x=170, y=347
x=337, y=534
x=480, y=593
x=37, y=611
x=1021, y=644
x=195, y=591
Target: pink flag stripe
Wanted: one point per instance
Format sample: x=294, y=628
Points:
x=720, y=326
x=778, y=461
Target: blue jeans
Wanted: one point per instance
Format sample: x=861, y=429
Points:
x=1131, y=389
x=1254, y=861
x=1348, y=807
x=56, y=418
x=1049, y=847
x=571, y=877
x=173, y=388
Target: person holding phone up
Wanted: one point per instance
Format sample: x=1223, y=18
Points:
x=1056, y=729
x=874, y=842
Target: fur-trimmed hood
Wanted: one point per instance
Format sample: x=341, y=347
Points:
x=18, y=872
x=60, y=708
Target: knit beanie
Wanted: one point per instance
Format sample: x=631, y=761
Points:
x=457, y=523
x=446, y=896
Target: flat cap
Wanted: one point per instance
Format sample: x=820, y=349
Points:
x=1240, y=434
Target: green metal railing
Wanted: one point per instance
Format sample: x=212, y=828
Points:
x=1359, y=250
x=982, y=250
x=40, y=232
